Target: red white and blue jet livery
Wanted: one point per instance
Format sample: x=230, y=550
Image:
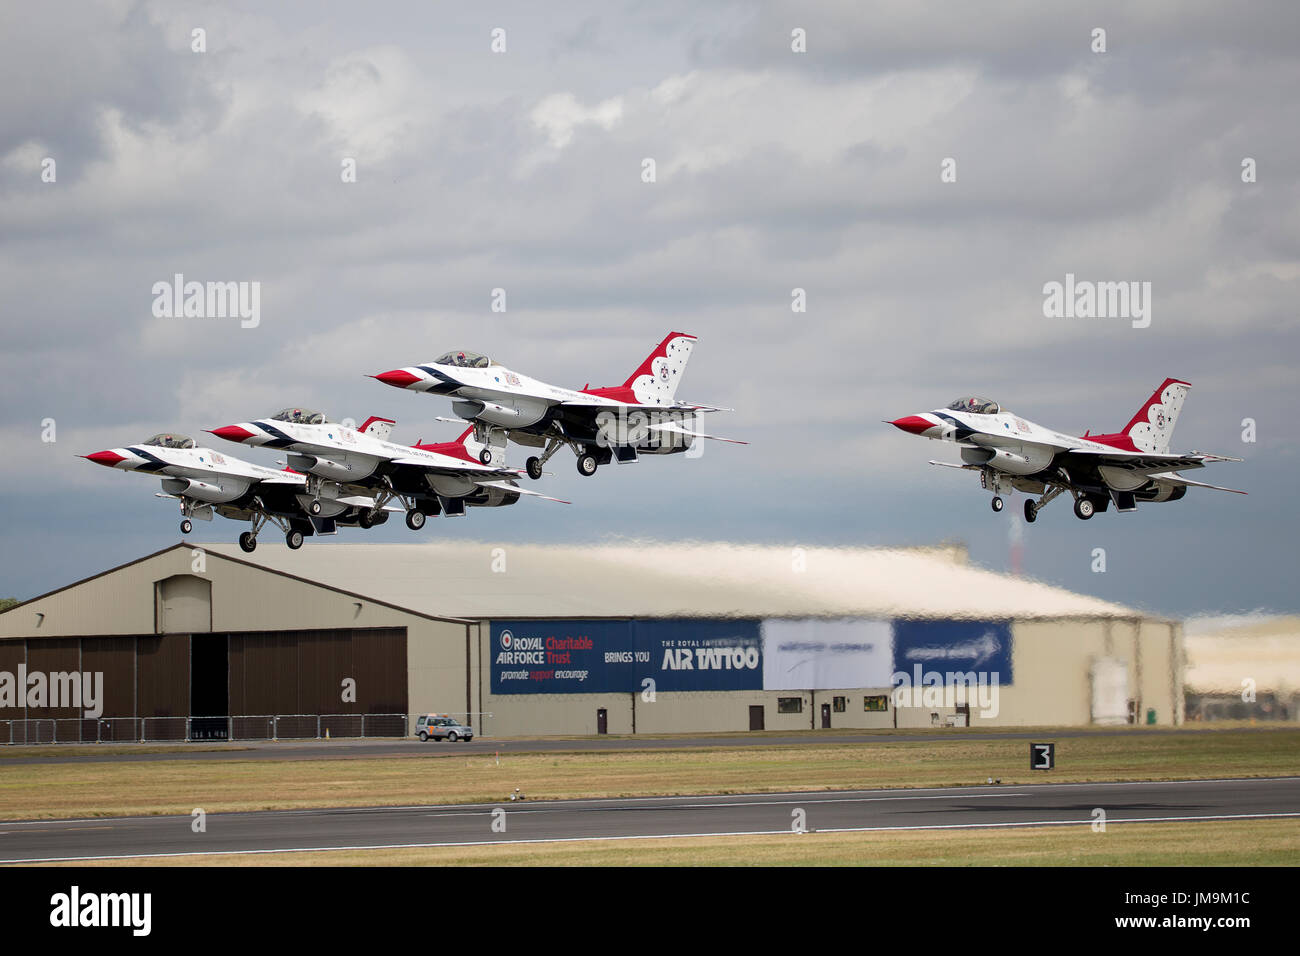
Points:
x=639, y=417
x=204, y=481
x=1010, y=452
x=431, y=479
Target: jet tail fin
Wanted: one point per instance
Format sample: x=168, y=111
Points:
x=656, y=379
x=376, y=427
x=1153, y=426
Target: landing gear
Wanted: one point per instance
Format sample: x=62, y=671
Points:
x=1031, y=510
x=366, y=519
x=586, y=465
x=314, y=507
x=186, y=526
x=293, y=539
x=415, y=519
x=534, y=466
x=997, y=503
x=1084, y=508
x=485, y=456
x=248, y=541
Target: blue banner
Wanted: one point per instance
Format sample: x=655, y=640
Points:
x=953, y=647
x=595, y=657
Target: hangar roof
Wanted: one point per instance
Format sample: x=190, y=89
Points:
x=487, y=580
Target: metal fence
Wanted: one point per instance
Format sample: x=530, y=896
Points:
x=164, y=729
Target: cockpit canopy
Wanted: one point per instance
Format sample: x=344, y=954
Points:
x=975, y=406
x=463, y=359
x=170, y=440
x=300, y=416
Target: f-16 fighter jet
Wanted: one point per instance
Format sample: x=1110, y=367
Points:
x=204, y=481
x=639, y=417
x=1011, y=453
x=426, y=479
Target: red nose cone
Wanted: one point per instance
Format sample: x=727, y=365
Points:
x=106, y=458
x=914, y=424
x=397, y=378
x=231, y=433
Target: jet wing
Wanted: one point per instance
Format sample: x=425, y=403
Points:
x=634, y=407
x=1141, y=460
x=469, y=469
x=285, y=478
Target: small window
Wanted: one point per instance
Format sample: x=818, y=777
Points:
x=875, y=704
x=840, y=704
x=789, y=705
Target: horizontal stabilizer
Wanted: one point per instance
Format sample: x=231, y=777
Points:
x=506, y=486
x=677, y=429
x=1174, y=479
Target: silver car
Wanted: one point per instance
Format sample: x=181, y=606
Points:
x=439, y=726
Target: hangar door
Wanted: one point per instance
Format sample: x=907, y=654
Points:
x=336, y=671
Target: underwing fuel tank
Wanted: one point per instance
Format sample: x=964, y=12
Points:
x=515, y=415
x=204, y=490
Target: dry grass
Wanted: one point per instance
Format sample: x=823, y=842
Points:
x=75, y=789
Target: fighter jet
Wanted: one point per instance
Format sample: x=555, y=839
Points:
x=1010, y=452
x=427, y=480
x=204, y=481
x=639, y=417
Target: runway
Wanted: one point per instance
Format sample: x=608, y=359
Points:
x=409, y=747
x=1065, y=804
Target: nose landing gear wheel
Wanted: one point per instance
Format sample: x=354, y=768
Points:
x=314, y=507
x=485, y=456
x=186, y=527
x=1084, y=508
x=534, y=466
x=1031, y=511
x=294, y=540
x=248, y=541
x=997, y=503
x=586, y=465
x=415, y=520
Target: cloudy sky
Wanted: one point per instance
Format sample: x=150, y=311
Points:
x=775, y=170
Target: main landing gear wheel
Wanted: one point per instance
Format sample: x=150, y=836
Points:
x=248, y=541
x=415, y=519
x=997, y=503
x=186, y=526
x=294, y=540
x=314, y=507
x=1031, y=510
x=1084, y=508
x=586, y=465
x=485, y=456
x=534, y=466
x=366, y=519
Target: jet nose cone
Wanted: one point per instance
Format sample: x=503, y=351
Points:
x=231, y=433
x=397, y=378
x=914, y=424
x=106, y=458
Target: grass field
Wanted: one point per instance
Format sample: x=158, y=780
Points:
x=112, y=788
x=1227, y=843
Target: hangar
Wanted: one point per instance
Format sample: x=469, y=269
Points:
x=639, y=637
